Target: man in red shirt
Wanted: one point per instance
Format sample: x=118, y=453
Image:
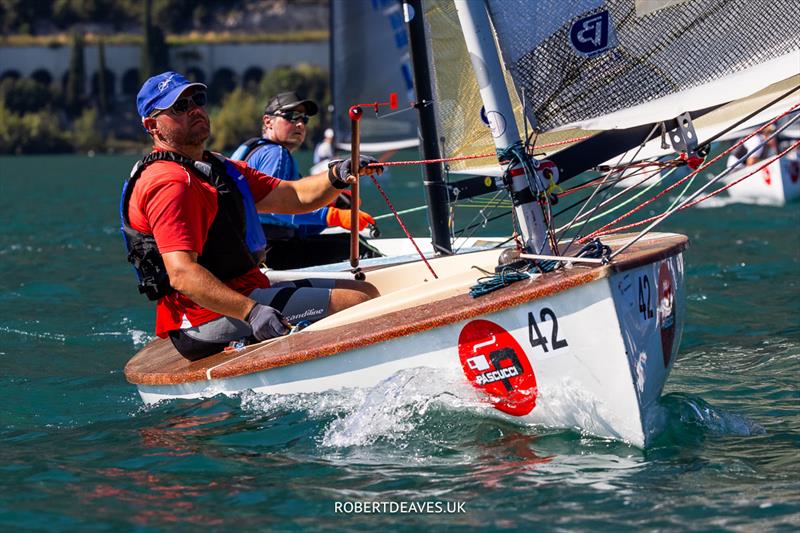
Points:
x=190, y=224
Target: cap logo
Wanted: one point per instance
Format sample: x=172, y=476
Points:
x=164, y=84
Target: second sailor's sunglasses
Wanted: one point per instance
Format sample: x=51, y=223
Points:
x=292, y=116
x=182, y=105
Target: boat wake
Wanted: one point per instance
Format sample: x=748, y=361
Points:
x=681, y=415
x=391, y=411
x=412, y=405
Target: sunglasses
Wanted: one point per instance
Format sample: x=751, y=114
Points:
x=293, y=116
x=182, y=105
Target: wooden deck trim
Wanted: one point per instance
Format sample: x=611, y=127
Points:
x=159, y=364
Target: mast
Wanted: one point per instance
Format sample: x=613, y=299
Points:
x=520, y=178
x=435, y=188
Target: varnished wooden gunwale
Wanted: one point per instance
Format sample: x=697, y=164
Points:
x=158, y=363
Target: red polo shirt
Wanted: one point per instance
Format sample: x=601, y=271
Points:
x=177, y=207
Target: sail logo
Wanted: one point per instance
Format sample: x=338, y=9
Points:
x=164, y=84
x=495, y=120
x=494, y=362
x=592, y=35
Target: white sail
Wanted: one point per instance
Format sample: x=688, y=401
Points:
x=459, y=109
x=573, y=101
x=369, y=60
x=608, y=64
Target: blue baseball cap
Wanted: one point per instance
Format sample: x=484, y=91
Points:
x=161, y=91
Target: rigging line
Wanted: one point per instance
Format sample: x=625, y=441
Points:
x=403, y=226
x=468, y=157
x=597, y=190
x=743, y=158
x=611, y=183
x=688, y=202
x=586, y=185
x=684, y=191
x=403, y=212
x=492, y=219
x=482, y=205
x=500, y=245
x=387, y=115
x=635, y=196
x=707, y=143
x=592, y=181
x=629, y=200
x=696, y=171
x=606, y=191
x=475, y=226
x=429, y=161
x=731, y=184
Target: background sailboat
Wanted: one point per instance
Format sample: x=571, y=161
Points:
x=369, y=60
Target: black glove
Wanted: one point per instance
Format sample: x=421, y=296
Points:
x=339, y=170
x=266, y=322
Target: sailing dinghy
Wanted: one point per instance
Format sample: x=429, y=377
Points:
x=565, y=314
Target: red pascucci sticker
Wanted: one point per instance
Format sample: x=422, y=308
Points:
x=494, y=362
x=666, y=311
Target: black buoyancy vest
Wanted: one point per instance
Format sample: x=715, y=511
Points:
x=226, y=252
x=250, y=147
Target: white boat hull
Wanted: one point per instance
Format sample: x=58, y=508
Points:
x=778, y=183
x=594, y=357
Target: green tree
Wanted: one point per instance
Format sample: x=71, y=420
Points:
x=32, y=133
x=85, y=134
x=24, y=95
x=76, y=75
x=238, y=119
x=19, y=16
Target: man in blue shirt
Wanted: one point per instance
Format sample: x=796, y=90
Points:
x=283, y=131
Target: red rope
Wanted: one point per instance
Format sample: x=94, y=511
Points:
x=400, y=221
x=602, y=230
x=592, y=183
x=706, y=197
x=731, y=184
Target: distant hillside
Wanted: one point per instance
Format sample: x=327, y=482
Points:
x=46, y=17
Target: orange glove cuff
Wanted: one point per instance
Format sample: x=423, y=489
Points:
x=341, y=218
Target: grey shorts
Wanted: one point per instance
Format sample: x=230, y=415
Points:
x=305, y=299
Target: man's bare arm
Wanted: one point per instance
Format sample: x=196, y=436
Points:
x=301, y=196
x=189, y=278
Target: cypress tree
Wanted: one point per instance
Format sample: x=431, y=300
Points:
x=154, y=58
x=146, y=67
x=102, y=77
x=76, y=74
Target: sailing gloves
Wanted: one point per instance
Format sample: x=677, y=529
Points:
x=341, y=218
x=339, y=170
x=266, y=322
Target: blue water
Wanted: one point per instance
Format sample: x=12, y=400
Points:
x=79, y=451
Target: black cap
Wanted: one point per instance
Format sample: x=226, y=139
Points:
x=287, y=102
